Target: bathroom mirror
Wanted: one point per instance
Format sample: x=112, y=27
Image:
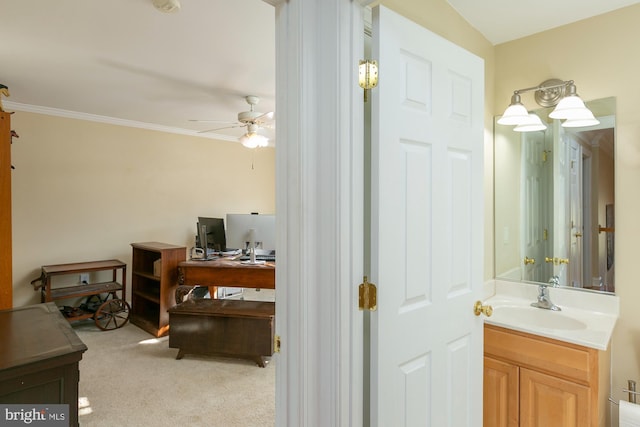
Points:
x=554, y=202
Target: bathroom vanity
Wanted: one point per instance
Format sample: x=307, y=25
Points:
x=546, y=368
x=531, y=380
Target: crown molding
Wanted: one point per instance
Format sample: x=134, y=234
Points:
x=111, y=120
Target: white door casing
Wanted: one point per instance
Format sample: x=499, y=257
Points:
x=319, y=193
x=427, y=228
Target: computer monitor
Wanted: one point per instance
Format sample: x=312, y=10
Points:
x=215, y=235
x=238, y=231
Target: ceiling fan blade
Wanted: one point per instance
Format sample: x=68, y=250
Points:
x=266, y=117
x=212, y=121
x=225, y=127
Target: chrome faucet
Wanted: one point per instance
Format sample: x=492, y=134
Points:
x=544, y=301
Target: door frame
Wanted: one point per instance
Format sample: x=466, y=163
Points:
x=319, y=205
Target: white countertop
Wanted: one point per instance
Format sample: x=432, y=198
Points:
x=586, y=318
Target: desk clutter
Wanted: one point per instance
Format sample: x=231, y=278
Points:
x=248, y=237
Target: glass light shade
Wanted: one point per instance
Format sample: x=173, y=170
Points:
x=254, y=140
x=569, y=107
x=515, y=113
x=580, y=118
x=578, y=123
x=532, y=124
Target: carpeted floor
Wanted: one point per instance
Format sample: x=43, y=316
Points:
x=130, y=378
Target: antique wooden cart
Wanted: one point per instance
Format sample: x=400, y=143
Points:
x=100, y=300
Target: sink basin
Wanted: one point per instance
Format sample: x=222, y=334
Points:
x=538, y=317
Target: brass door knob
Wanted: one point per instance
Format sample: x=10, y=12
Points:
x=478, y=309
x=528, y=260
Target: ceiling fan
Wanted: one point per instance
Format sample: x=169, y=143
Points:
x=252, y=120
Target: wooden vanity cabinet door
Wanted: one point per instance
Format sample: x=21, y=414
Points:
x=552, y=402
x=501, y=391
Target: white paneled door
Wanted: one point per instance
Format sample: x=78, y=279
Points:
x=427, y=228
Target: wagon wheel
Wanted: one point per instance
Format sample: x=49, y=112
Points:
x=112, y=314
x=93, y=302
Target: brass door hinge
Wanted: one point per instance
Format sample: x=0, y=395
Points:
x=367, y=75
x=276, y=343
x=367, y=293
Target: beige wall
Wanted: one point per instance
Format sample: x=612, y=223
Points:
x=508, y=154
x=84, y=191
x=599, y=54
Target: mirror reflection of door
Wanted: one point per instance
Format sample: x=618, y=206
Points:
x=561, y=209
x=534, y=232
x=592, y=172
x=576, y=229
x=572, y=192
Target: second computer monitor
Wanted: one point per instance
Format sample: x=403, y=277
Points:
x=216, y=237
x=239, y=234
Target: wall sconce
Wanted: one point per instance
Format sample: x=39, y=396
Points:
x=367, y=75
x=252, y=139
x=550, y=93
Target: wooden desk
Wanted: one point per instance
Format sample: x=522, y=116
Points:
x=224, y=272
x=39, y=358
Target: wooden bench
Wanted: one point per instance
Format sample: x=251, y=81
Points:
x=228, y=328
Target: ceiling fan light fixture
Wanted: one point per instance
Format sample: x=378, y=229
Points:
x=254, y=140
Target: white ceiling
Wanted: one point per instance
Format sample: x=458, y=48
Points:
x=125, y=60
x=501, y=21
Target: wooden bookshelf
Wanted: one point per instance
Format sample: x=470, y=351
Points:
x=154, y=277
